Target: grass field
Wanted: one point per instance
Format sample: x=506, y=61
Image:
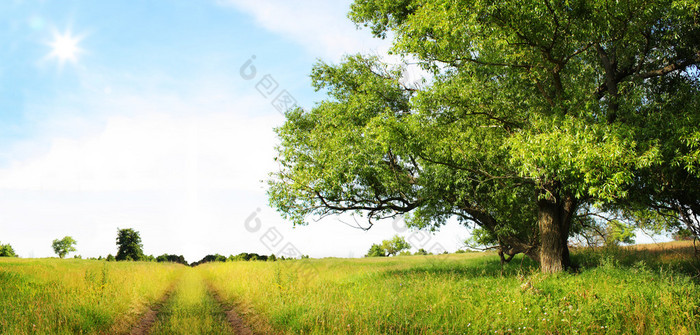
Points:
x=464, y=293
x=640, y=290
x=72, y=296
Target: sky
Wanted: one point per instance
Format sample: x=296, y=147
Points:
x=159, y=116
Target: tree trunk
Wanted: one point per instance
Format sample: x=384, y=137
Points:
x=570, y=205
x=554, y=215
x=551, y=246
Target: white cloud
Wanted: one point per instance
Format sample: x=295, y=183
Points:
x=321, y=26
x=154, y=152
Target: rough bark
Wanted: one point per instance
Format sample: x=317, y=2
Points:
x=551, y=246
x=554, y=215
x=569, y=207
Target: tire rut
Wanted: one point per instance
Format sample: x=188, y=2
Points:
x=236, y=322
x=149, y=318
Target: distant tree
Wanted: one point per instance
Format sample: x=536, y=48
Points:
x=78, y=256
x=422, y=251
x=395, y=245
x=376, y=250
x=172, y=258
x=405, y=253
x=129, y=244
x=244, y=256
x=63, y=246
x=272, y=258
x=390, y=247
x=7, y=251
x=210, y=258
x=239, y=257
x=110, y=258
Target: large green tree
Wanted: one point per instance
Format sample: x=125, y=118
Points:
x=63, y=246
x=129, y=245
x=533, y=111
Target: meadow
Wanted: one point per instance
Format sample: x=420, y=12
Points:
x=652, y=290
x=74, y=296
x=467, y=293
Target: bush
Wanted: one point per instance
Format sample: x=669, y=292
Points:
x=7, y=251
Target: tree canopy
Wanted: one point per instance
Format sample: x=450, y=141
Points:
x=7, y=251
x=391, y=247
x=63, y=246
x=533, y=113
x=129, y=245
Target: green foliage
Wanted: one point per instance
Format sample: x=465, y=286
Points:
x=619, y=232
x=390, y=247
x=585, y=103
x=171, y=258
x=422, y=251
x=682, y=234
x=376, y=250
x=395, y=245
x=129, y=245
x=245, y=256
x=222, y=258
x=63, y=246
x=110, y=258
x=7, y=251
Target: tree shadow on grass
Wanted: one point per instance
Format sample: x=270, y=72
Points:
x=488, y=266
x=678, y=259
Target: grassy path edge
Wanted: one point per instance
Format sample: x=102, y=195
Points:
x=149, y=318
x=235, y=320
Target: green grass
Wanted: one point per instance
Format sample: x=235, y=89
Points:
x=191, y=310
x=457, y=294
x=617, y=291
x=54, y=296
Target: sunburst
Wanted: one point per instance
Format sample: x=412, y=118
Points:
x=64, y=47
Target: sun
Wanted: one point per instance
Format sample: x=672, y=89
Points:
x=64, y=47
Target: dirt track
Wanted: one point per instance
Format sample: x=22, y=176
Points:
x=235, y=320
x=149, y=318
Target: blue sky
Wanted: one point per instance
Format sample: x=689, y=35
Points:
x=144, y=122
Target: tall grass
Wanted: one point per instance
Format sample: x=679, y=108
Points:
x=456, y=294
x=191, y=310
x=55, y=296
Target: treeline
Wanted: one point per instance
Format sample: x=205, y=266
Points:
x=244, y=256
